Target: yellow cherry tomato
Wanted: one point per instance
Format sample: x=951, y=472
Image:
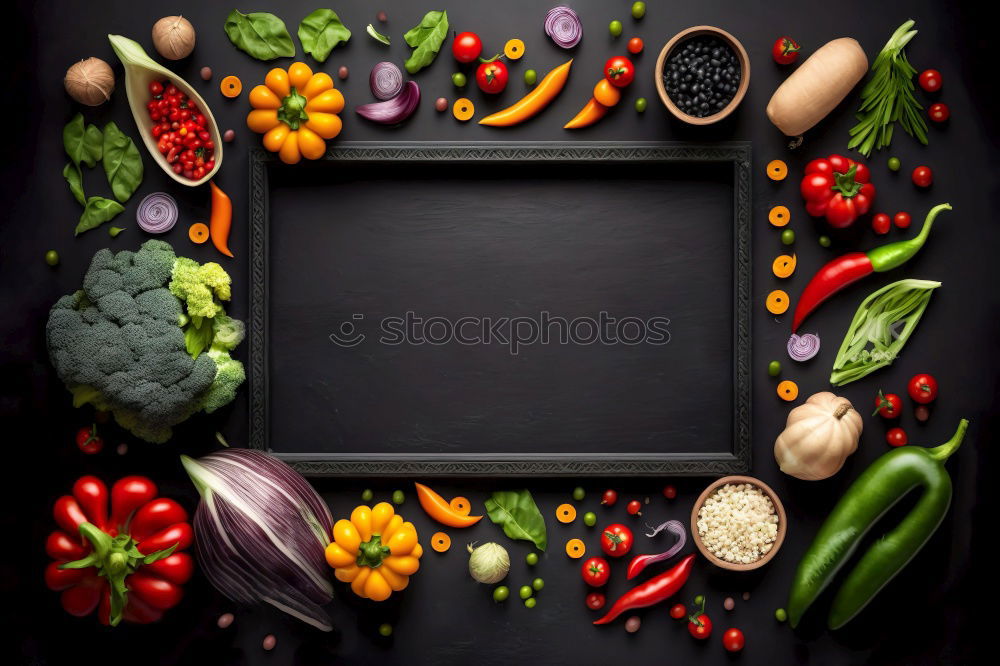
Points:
x=262, y=120
x=327, y=125
x=513, y=49
x=275, y=138
x=311, y=144
x=606, y=94
x=289, y=152
x=277, y=81
x=261, y=97
x=328, y=101
x=320, y=82
x=299, y=74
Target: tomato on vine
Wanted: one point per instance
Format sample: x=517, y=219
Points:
x=619, y=71
x=88, y=441
x=785, y=51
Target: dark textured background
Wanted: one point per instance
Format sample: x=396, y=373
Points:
x=927, y=615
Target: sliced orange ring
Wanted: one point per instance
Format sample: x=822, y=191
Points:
x=461, y=506
x=463, y=109
x=565, y=513
x=513, y=49
x=231, y=86
x=198, y=232
x=777, y=302
x=440, y=542
x=783, y=266
x=777, y=170
x=779, y=216
x=575, y=548
x=788, y=390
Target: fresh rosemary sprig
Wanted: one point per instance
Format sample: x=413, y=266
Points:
x=888, y=98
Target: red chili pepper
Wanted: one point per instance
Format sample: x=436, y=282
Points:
x=837, y=188
x=653, y=591
x=853, y=266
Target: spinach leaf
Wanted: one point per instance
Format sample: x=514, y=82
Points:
x=97, y=211
x=320, y=32
x=426, y=39
x=82, y=144
x=260, y=35
x=516, y=512
x=73, y=176
x=122, y=162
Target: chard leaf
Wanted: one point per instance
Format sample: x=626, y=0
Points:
x=516, y=512
x=260, y=35
x=320, y=32
x=122, y=162
x=97, y=211
x=426, y=39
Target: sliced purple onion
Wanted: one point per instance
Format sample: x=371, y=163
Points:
x=803, y=347
x=563, y=26
x=395, y=110
x=386, y=80
x=157, y=213
x=261, y=533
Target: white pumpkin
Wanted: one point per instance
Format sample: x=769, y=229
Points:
x=818, y=436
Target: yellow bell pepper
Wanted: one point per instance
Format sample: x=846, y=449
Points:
x=375, y=551
x=296, y=111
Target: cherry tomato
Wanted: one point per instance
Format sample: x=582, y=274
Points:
x=595, y=601
x=700, y=626
x=785, y=50
x=155, y=88
x=616, y=540
x=635, y=45
x=881, y=223
x=939, y=112
x=466, y=47
x=902, y=220
x=922, y=176
x=733, y=640
x=619, y=71
x=669, y=492
x=491, y=77
x=595, y=571
x=88, y=441
x=887, y=405
x=930, y=80
x=677, y=611
x=896, y=437
x=923, y=389
x=634, y=507
x=609, y=498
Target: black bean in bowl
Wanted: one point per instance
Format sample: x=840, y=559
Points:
x=701, y=75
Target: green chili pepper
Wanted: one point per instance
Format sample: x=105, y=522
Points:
x=882, y=485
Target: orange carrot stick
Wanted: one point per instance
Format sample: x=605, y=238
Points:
x=222, y=219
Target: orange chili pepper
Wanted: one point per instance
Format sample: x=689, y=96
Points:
x=533, y=102
x=588, y=115
x=222, y=219
x=438, y=509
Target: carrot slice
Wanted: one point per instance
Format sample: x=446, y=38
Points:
x=231, y=86
x=779, y=216
x=440, y=542
x=788, y=390
x=783, y=266
x=513, y=49
x=463, y=109
x=198, y=232
x=566, y=513
x=777, y=170
x=461, y=506
x=777, y=302
x=575, y=548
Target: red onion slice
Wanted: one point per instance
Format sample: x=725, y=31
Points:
x=157, y=213
x=563, y=26
x=392, y=111
x=803, y=347
x=386, y=80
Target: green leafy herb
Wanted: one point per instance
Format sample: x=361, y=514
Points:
x=516, y=512
x=97, y=211
x=888, y=98
x=885, y=320
x=320, y=32
x=122, y=163
x=114, y=231
x=426, y=39
x=73, y=176
x=260, y=35
x=82, y=144
x=376, y=35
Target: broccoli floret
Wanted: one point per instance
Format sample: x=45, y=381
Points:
x=228, y=332
x=200, y=286
x=228, y=379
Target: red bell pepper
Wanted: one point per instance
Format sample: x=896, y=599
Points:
x=837, y=188
x=653, y=591
x=127, y=565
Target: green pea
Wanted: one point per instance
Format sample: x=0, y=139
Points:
x=578, y=493
x=52, y=258
x=590, y=519
x=530, y=602
x=825, y=241
x=894, y=165
x=780, y=615
x=615, y=28
x=501, y=593
x=530, y=76
x=537, y=584
x=367, y=495
x=774, y=368
x=459, y=79
x=385, y=630
x=640, y=105
x=531, y=559
x=398, y=497
x=699, y=600
x=788, y=237
x=525, y=591
x=638, y=10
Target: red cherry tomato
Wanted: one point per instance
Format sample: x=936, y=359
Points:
x=923, y=389
x=939, y=112
x=466, y=47
x=634, y=507
x=491, y=77
x=733, y=640
x=595, y=601
x=619, y=71
x=595, y=571
x=902, y=220
x=669, y=492
x=930, y=80
x=785, y=51
x=896, y=437
x=616, y=540
x=678, y=611
x=635, y=45
x=700, y=626
x=887, y=405
x=881, y=223
x=922, y=176
x=88, y=441
x=609, y=498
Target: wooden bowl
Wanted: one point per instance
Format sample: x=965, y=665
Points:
x=140, y=70
x=741, y=56
x=779, y=509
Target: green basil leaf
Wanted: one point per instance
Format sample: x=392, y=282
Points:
x=82, y=144
x=122, y=163
x=320, y=32
x=73, y=176
x=426, y=39
x=97, y=211
x=376, y=35
x=516, y=512
x=260, y=35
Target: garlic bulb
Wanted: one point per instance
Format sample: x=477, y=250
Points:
x=90, y=81
x=173, y=37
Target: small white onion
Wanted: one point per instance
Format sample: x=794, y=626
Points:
x=488, y=563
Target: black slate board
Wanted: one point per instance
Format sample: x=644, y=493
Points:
x=369, y=260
